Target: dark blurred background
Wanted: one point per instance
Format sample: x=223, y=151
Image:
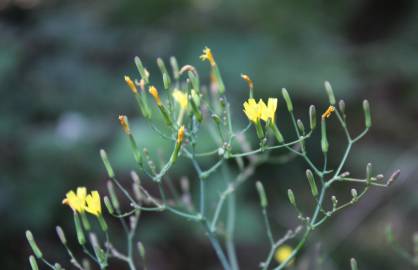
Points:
x=61, y=83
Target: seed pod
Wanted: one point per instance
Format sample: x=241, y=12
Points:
x=287, y=99
x=33, y=263
x=330, y=93
x=312, y=117
x=312, y=184
x=61, y=235
x=367, y=116
x=106, y=163
x=353, y=264
x=33, y=245
x=291, y=197
x=261, y=194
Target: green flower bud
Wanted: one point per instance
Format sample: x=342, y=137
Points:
x=312, y=184
x=108, y=205
x=287, y=99
x=113, y=196
x=262, y=194
x=79, y=230
x=33, y=245
x=61, y=235
x=291, y=197
x=106, y=163
x=142, y=71
x=312, y=117
x=367, y=116
x=300, y=125
x=324, y=140
x=175, y=67
x=330, y=93
x=33, y=263
x=353, y=264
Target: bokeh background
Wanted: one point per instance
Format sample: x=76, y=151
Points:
x=61, y=83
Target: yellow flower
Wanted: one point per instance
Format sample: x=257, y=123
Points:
x=154, y=92
x=181, y=98
x=77, y=201
x=252, y=110
x=248, y=80
x=94, y=206
x=131, y=84
x=328, y=112
x=180, y=134
x=283, y=253
x=207, y=55
x=124, y=123
x=268, y=112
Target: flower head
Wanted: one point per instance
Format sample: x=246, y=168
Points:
x=283, y=253
x=253, y=110
x=181, y=98
x=328, y=112
x=124, y=123
x=94, y=206
x=248, y=80
x=131, y=84
x=268, y=112
x=207, y=55
x=154, y=92
x=76, y=201
x=180, y=134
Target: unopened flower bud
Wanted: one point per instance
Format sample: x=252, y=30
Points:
x=330, y=93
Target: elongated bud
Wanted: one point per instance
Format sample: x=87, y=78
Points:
x=312, y=117
x=79, y=230
x=250, y=84
x=61, y=235
x=123, y=120
x=389, y=234
x=58, y=266
x=216, y=118
x=367, y=116
x=334, y=201
x=102, y=223
x=33, y=263
x=300, y=125
x=180, y=137
x=276, y=132
x=106, y=163
x=141, y=250
x=131, y=84
x=175, y=67
x=142, y=71
x=113, y=196
x=312, y=184
x=164, y=72
x=180, y=134
x=369, y=171
x=33, y=245
x=194, y=79
x=287, y=99
x=353, y=264
x=291, y=197
x=354, y=194
x=330, y=93
x=393, y=177
x=341, y=106
x=108, y=205
x=154, y=92
x=324, y=140
x=262, y=194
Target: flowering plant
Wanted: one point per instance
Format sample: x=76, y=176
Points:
x=188, y=109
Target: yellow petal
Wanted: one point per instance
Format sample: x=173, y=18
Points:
x=181, y=98
x=94, y=206
x=283, y=253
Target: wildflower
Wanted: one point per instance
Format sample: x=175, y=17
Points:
x=124, y=123
x=283, y=253
x=268, y=112
x=248, y=80
x=181, y=98
x=180, y=135
x=328, y=112
x=131, y=84
x=77, y=201
x=94, y=206
x=207, y=55
x=252, y=110
x=154, y=92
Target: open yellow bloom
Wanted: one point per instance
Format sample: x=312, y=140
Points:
x=181, y=98
x=131, y=84
x=268, y=112
x=154, y=92
x=283, y=253
x=253, y=110
x=207, y=55
x=94, y=206
x=77, y=201
x=328, y=112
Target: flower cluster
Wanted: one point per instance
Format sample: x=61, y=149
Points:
x=79, y=201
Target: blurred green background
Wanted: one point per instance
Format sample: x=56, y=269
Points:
x=61, y=83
